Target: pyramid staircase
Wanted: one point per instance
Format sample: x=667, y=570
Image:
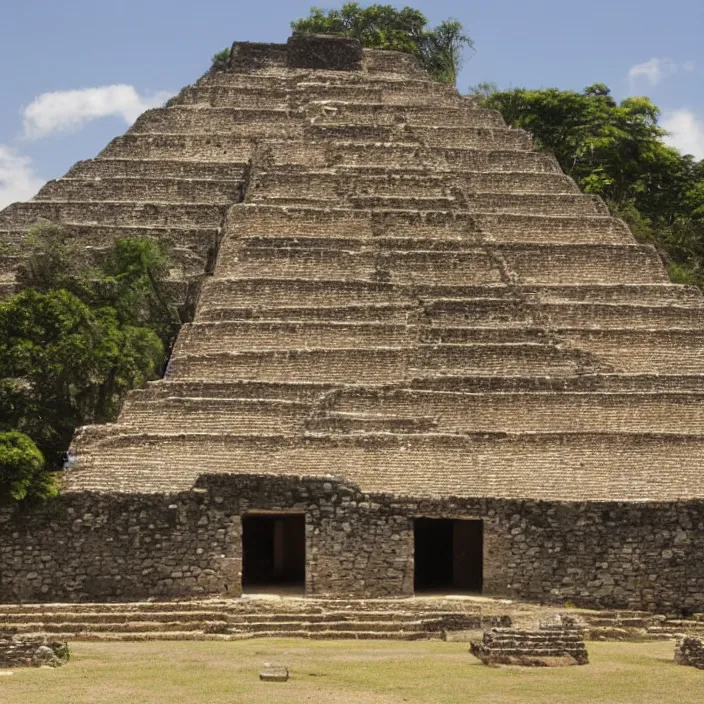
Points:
x=396, y=269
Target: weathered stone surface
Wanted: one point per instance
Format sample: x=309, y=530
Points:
x=16, y=651
x=690, y=651
x=557, y=644
x=272, y=672
x=410, y=314
x=322, y=52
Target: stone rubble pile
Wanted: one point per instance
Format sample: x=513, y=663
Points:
x=556, y=644
x=690, y=651
x=31, y=652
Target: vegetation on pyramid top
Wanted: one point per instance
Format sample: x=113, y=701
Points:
x=439, y=51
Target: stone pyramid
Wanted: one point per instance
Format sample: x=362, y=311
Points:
x=397, y=292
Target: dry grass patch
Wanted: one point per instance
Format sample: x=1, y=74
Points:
x=348, y=672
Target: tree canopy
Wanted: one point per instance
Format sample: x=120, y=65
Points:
x=439, y=50
x=80, y=335
x=615, y=149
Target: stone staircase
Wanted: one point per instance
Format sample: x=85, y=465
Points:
x=379, y=619
x=640, y=625
x=395, y=268
x=320, y=618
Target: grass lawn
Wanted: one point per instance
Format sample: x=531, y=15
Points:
x=348, y=672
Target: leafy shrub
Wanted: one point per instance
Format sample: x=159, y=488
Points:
x=23, y=474
x=221, y=60
x=439, y=51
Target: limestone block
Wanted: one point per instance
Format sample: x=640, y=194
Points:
x=271, y=672
x=314, y=51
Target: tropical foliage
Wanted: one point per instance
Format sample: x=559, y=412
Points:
x=439, y=50
x=616, y=150
x=23, y=474
x=79, y=335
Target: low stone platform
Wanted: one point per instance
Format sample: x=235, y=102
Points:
x=690, y=651
x=31, y=651
x=556, y=644
x=449, y=617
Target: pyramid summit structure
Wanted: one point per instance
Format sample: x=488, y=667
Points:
x=420, y=358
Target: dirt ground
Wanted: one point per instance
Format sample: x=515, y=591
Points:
x=348, y=672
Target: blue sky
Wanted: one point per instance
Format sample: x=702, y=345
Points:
x=74, y=74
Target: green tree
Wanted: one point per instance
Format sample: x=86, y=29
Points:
x=65, y=364
x=134, y=278
x=615, y=150
x=129, y=277
x=23, y=474
x=439, y=51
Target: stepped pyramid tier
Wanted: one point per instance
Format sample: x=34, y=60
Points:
x=420, y=358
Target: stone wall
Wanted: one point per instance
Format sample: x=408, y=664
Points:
x=85, y=547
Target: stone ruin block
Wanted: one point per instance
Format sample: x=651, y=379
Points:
x=555, y=644
x=31, y=652
x=271, y=672
x=690, y=651
x=322, y=52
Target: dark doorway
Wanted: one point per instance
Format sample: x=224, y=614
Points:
x=448, y=555
x=273, y=550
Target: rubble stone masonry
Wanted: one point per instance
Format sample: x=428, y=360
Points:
x=96, y=547
x=392, y=290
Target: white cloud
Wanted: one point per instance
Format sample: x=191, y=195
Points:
x=686, y=132
x=656, y=70
x=69, y=110
x=17, y=178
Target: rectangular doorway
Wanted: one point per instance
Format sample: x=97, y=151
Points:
x=448, y=555
x=274, y=551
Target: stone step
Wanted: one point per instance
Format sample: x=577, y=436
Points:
x=440, y=136
x=506, y=313
x=256, y=608
x=529, y=264
x=249, y=220
x=454, y=302
x=292, y=391
x=642, y=351
x=387, y=314
x=160, y=190
x=368, y=113
x=364, y=423
x=377, y=365
x=275, y=97
x=243, y=416
x=225, y=627
x=128, y=214
x=607, y=382
x=377, y=155
x=456, y=412
x=340, y=184
x=158, y=168
x=302, y=80
x=484, y=464
x=213, y=337
x=185, y=119
x=200, y=636
x=214, y=148
x=485, y=203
